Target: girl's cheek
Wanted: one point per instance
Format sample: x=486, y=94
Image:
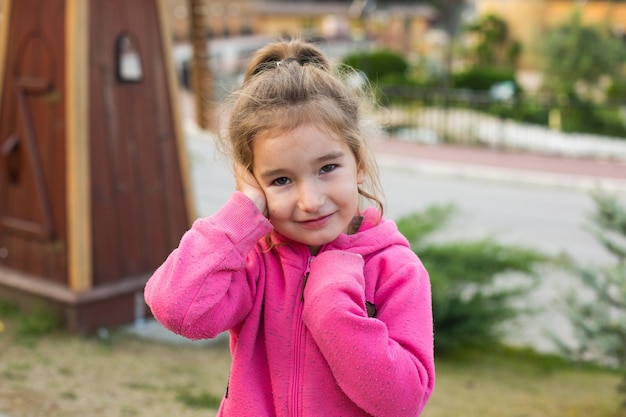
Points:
x=277, y=204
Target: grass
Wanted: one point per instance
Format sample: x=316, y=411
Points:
x=61, y=375
x=512, y=382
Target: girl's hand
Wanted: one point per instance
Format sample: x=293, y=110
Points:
x=246, y=183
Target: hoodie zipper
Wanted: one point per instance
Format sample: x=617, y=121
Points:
x=298, y=342
x=306, y=276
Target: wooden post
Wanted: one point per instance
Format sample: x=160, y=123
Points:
x=172, y=84
x=78, y=182
x=202, y=80
x=5, y=10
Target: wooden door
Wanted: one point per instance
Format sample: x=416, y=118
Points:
x=32, y=141
x=138, y=200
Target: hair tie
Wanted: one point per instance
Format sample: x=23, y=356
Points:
x=288, y=60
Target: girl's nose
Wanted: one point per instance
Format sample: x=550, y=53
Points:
x=310, y=197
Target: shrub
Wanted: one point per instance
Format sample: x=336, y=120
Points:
x=589, y=118
x=378, y=64
x=600, y=322
x=469, y=306
x=617, y=91
x=483, y=78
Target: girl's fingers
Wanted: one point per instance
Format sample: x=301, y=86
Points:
x=246, y=183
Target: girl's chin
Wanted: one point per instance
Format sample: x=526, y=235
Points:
x=310, y=239
x=313, y=243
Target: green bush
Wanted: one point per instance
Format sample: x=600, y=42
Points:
x=522, y=109
x=589, y=118
x=396, y=82
x=469, y=307
x=617, y=91
x=378, y=64
x=599, y=321
x=483, y=78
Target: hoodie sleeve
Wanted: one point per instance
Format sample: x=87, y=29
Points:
x=385, y=365
x=207, y=284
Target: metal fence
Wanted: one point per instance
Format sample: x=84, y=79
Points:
x=530, y=123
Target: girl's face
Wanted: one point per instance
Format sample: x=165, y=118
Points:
x=310, y=178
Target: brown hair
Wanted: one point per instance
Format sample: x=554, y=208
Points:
x=290, y=83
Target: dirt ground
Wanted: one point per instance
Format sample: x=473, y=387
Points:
x=120, y=376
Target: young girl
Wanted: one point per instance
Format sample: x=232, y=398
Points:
x=328, y=309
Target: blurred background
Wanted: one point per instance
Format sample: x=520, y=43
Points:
x=503, y=157
x=476, y=53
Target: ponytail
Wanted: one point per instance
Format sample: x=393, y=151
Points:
x=276, y=54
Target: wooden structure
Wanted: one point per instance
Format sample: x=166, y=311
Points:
x=93, y=186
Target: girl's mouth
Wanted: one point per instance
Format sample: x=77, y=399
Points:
x=316, y=223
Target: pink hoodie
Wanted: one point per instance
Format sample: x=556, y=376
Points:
x=301, y=338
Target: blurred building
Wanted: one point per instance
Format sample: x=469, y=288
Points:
x=410, y=27
x=395, y=25
x=529, y=19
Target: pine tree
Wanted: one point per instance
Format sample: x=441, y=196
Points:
x=599, y=321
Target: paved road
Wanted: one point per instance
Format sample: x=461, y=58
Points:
x=550, y=218
x=524, y=199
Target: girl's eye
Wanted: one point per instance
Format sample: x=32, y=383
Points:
x=281, y=181
x=328, y=168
